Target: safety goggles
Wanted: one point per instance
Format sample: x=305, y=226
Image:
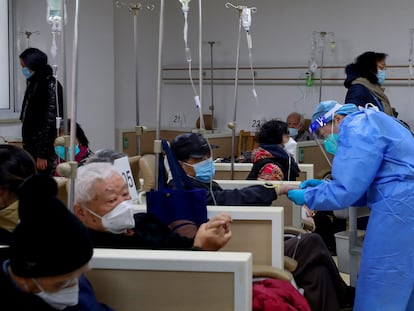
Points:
x=322, y=120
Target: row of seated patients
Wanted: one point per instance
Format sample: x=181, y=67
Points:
x=100, y=191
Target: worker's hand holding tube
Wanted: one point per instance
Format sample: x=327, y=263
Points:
x=297, y=196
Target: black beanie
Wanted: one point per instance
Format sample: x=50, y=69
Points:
x=49, y=240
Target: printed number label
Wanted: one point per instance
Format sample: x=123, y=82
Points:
x=176, y=118
x=128, y=178
x=124, y=169
x=256, y=123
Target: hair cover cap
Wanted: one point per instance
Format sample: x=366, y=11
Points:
x=332, y=107
x=49, y=240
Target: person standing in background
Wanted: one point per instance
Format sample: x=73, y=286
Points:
x=42, y=103
x=364, y=81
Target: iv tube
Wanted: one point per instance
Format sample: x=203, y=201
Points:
x=246, y=19
x=197, y=101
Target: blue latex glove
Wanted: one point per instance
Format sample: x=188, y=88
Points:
x=297, y=196
x=311, y=183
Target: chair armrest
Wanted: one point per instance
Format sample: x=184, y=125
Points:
x=293, y=230
x=265, y=271
x=290, y=264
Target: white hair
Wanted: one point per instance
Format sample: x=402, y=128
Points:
x=87, y=177
x=300, y=115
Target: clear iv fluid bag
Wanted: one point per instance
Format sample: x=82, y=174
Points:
x=53, y=10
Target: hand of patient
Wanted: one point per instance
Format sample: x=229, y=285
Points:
x=214, y=234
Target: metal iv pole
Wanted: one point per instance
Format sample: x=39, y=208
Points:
x=233, y=124
x=134, y=8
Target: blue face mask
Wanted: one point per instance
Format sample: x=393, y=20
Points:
x=381, y=75
x=331, y=143
x=204, y=170
x=293, y=131
x=60, y=151
x=27, y=73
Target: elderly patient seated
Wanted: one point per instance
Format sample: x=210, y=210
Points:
x=102, y=203
x=50, y=250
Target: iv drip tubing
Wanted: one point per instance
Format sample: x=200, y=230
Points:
x=212, y=84
x=236, y=83
x=138, y=147
x=320, y=75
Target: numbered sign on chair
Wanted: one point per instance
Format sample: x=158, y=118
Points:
x=123, y=167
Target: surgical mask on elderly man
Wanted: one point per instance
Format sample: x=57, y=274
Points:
x=293, y=131
x=119, y=219
x=61, y=299
x=204, y=170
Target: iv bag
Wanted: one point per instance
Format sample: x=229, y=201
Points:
x=54, y=14
x=53, y=10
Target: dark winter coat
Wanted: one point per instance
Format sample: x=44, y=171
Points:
x=39, y=112
x=251, y=195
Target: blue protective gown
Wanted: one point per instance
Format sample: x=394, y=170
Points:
x=374, y=163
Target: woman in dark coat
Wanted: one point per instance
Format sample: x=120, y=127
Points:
x=42, y=103
x=364, y=80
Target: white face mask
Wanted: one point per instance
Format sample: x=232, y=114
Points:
x=119, y=219
x=61, y=299
x=290, y=147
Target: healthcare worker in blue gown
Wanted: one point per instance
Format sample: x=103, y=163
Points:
x=373, y=166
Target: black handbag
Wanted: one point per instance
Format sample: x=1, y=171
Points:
x=184, y=208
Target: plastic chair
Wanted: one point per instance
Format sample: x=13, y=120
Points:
x=246, y=141
x=134, y=164
x=147, y=170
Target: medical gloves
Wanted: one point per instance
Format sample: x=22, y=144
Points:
x=311, y=183
x=297, y=196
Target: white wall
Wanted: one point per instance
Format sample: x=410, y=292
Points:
x=281, y=33
x=95, y=84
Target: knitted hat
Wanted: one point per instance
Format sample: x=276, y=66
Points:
x=190, y=145
x=49, y=240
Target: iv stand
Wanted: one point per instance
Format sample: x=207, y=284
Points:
x=134, y=8
x=28, y=34
x=232, y=125
x=212, y=84
x=322, y=36
x=63, y=65
x=74, y=91
x=200, y=57
x=157, y=142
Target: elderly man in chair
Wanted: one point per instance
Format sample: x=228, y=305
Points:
x=102, y=203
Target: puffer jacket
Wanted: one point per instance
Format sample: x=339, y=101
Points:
x=39, y=113
x=357, y=93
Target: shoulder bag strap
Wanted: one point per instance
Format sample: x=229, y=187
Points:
x=181, y=179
